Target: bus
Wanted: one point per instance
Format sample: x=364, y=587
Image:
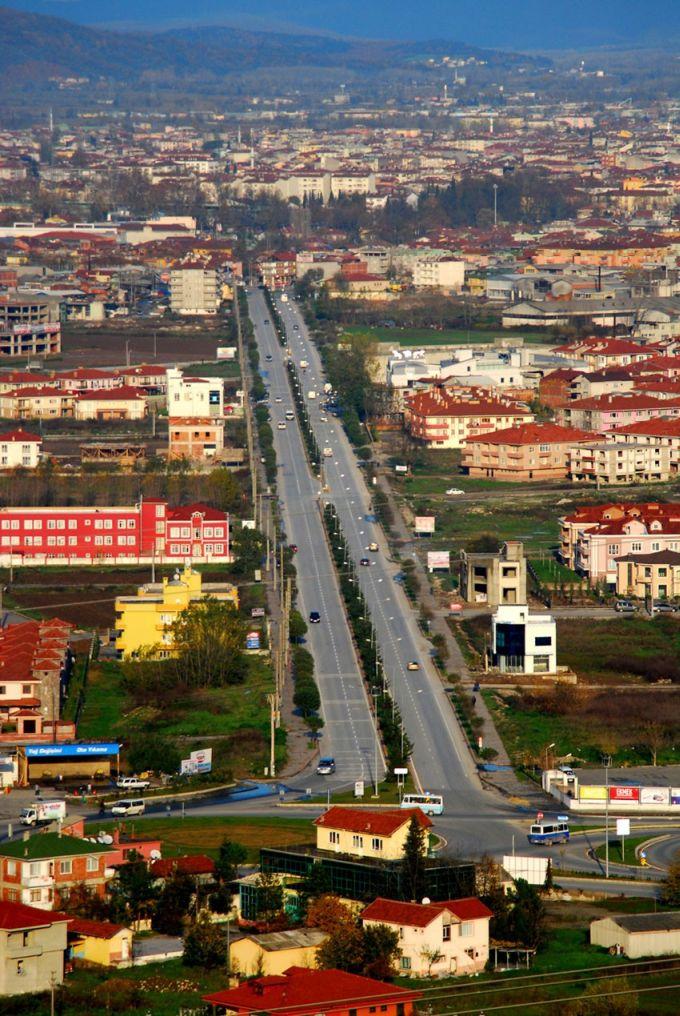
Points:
x=549, y=832
x=432, y=804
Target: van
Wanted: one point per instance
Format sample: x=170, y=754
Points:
x=129, y=806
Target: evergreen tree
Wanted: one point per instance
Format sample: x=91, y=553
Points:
x=413, y=862
x=205, y=945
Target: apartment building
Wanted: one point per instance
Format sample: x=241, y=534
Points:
x=42, y=870
x=195, y=417
x=29, y=326
x=35, y=666
x=531, y=451
x=494, y=578
x=607, y=412
x=194, y=290
x=436, y=272
x=610, y=463
x=654, y=576
x=18, y=448
x=443, y=419
x=365, y=833
x=33, y=946
x=522, y=642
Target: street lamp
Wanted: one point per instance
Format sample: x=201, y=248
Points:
x=606, y=762
x=375, y=692
x=547, y=749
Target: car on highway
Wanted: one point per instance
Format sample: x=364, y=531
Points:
x=328, y=453
x=413, y=665
x=326, y=766
x=296, y=328
x=278, y=399
x=323, y=419
x=314, y=617
x=290, y=415
x=454, y=491
x=373, y=547
x=663, y=608
x=625, y=607
x=293, y=548
x=269, y=356
x=365, y=562
x=281, y=425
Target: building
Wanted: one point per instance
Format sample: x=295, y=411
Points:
x=122, y=403
x=272, y=954
x=639, y=934
x=654, y=576
x=523, y=643
x=554, y=389
x=33, y=945
x=438, y=272
x=148, y=531
x=29, y=326
x=100, y=942
x=443, y=419
x=609, y=463
x=42, y=870
x=436, y=939
x=607, y=412
x=35, y=667
x=195, y=417
x=302, y=992
x=194, y=289
x=144, y=621
x=529, y=452
x=200, y=867
x=494, y=579
x=277, y=270
x=199, y=440
x=365, y=833
x=19, y=449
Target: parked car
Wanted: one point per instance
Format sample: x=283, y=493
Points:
x=326, y=766
x=663, y=608
x=453, y=491
x=314, y=617
x=413, y=665
x=132, y=783
x=625, y=607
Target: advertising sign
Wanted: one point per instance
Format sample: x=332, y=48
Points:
x=253, y=640
x=423, y=523
x=592, y=793
x=358, y=788
x=623, y=827
x=187, y=767
x=438, y=559
x=624, y=793
x=202, y=760
x=70, y=750
x=654, y=795
x=257, y=612
x=675, y=795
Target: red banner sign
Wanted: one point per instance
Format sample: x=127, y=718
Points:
x=624, y=793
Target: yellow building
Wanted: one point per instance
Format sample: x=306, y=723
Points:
x=273, y=953
x=109, y=945
x=363, y=833
x=143, y=621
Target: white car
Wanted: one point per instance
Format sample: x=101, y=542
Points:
x=278, y=399
x=454, y=491
x=132, y=783
x=281, y=425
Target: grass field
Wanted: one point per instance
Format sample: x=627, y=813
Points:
x=204, y=835
x=221, y=368
x=447, y=336
x=616, y=856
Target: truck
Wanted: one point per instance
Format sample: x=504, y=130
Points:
x=304, y=364
x=311, y=394
x=43, y=811
x=132, y=783
x=327, y=453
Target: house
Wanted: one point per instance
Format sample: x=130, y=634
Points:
x=144, y=621
x=448, y=419
x=199, y=866
x=436, y=939
x=32, y=949
x=554, y=389
x=365, y=833
x=100, y=942
x=639, y=934
x=275, y=952
x=654, y=575
x=199, y=440
x=42, y=870
x=302, y=992
x=123, y=403
x=195, y=417
x=36, y=661
x=18, y=448
x=494, y=578
x=522, y=642
x=531, y=451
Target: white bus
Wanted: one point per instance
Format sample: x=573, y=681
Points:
x=432, y=804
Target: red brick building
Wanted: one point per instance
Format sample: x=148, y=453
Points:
x=35, y=663
x=42, y=870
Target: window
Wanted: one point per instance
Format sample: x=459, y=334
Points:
x=11, y=867
x=376, y=843
x=357, y=841
x=467, y=928
x=51, y=524
x=66, y=866
x=72, y=523
x=3, y=689
x=25, y=689
x=35, y=895
x=636, y=546
x=446, y=933
x=34, y=869
x=93, y=864
x=543, y=640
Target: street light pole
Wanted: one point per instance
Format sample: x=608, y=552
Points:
x=606, y=762
x=547, y=749
x=495, y=205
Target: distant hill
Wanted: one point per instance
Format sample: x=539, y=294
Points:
x=35, y=47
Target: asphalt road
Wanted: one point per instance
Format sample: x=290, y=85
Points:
x=349, y=734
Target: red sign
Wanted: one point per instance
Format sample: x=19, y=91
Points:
x=624, y=793
x=539, y=816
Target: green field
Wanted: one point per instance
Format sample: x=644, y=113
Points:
x=447, y=336
x=630, y=843
x=220, y=368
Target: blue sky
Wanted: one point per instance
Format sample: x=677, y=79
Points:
x=513, y=24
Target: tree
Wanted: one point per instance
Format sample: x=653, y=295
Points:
x=654, y=735
x=229, y=856
x=413, y=862
x=173, y=904
x=297, y=627
x=153, y=753
x=381, y=951
x=248, y=547
x=132, y=891
x=205, y=945
x=209, y=639
x=269, y=897
x=329, y=914
x=431, y=956
x=670, y=887
x=343, y=950
x=527, y=916
x=82, y=901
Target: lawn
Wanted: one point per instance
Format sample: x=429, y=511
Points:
x=621, y=648
x=447, y=336
x=204, y=835
x=551, y=572
x=221, y=368
x=625, y=856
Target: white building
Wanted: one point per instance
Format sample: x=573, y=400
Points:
x=639, y=934
x=194, y=290
x=436, y=272
x=19, y=448
x=200, y=398
x=523, y=643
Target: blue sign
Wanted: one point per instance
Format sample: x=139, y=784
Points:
x=70, y=750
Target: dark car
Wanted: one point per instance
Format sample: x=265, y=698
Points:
x=326, y=766
x=365, y=562
x=314, y=617
x=293, y=548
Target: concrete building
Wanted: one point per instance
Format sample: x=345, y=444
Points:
x=531, y=452
x=195, y=417
x=200, y=440
x=656, y=576
x=442, y=419
x=272, y=954
x=436, y=272
x=608, y=463
x=523, y=643
x=639, y=934
x=18, y=448
x=29, y=325
x=494, y=579
x=100, y=942
x=32, y=949
x=194, y=289
x=143, y=621
x=365, y=833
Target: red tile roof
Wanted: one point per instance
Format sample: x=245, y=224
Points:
x=361, y=820
x=93, y=929
x=440, y=402
x=533, y=433
x=660, y=426
x=22, y=436
x=14, y=916
x=419, y=915
x=302, y=991
x=193, y=864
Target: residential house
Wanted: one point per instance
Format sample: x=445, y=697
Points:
x=436, y=939
x=366, y=833
x=530, y=451
x=18, y=448
x=656, y=576
x=493, y=579
x=42, y=870
x=199, y=866
x=522, y=642
x=274, y=953
x=122, y=403
x=32, y=949
x=195, y=417
x=637, y=935
x=100, y=942
x=607, y=412
x=302, y=992
x=144, y=621
x=599, y=353
x=448, y=419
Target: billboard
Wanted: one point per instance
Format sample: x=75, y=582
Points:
x=675, y=795
x=654, y=795
x=438, y=559
x=202, y=760
x=532, y=869
x=423, y=523
x=592, y=793
x=70, y=750
x=624, y=793
x=253, y=640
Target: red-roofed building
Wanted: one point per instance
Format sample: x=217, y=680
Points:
x=599, y=353
x=532, y=451
x=436, y=939
x=554, y=390
x=607, y=412
x=303, y=992
x=199, y=866
x=33, y=945
x=100, y=942
x=18, y=448
x=447, y=419
x=361, y=832
x=35, y=664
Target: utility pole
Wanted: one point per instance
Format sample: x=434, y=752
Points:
x=246, y=400
x=606, y=762
x=495, y=205
x=271, y=699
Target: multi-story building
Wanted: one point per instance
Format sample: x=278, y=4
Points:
x=29, y=326
x=494, y=578
x=194, y=289
x=32, y=949
x=438, y=272
x=610, y=463
x=144, y=621
x=607, y=412
x=654, y=576
x=532, y=451
x=522, y=642
x=42, y=870
x=144, y=532
x=442, y=419
x=35, y=665
x=195, y=417
x=277, y=270
x=18, y=448
x=366, y=833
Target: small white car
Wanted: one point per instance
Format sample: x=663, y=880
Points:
x=281, y=425
x=454, y=491
x=132, y=783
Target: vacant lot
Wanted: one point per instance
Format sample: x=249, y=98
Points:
x=447, y=336
x=104, y=345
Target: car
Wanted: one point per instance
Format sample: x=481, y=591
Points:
x=269, y=356
x=625, y=607
x=293, y=548
x=323, y=419
x=132, y=783
x=413, y=665
x=296, y=328
x=663, y=608
x=314, y=617
x=365, y=562
x=326, y=766
x=281, y=425
x=373, y=547
x=131, y=806
x=278, y=399
x=454, y=491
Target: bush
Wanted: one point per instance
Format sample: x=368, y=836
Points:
x=150, y=752
x=117, y=995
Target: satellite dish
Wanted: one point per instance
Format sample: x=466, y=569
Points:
x=155, y=855
x=105, y=838
x=426, y=900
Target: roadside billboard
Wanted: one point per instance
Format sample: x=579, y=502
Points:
x=202, y=759
x=675, y=795
x=624, y=793
x=532, y=869
x=438, y=559
x=654, y=795
x=423, y=523
x=592, y=793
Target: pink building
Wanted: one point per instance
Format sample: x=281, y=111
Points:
x=606, y=412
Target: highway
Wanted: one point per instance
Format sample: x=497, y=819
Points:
x=349, y=734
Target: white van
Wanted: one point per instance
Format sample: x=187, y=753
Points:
x=129, y=806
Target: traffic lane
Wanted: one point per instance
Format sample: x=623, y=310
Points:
x=608, y=887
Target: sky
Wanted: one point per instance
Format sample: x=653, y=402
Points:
x=509, y=24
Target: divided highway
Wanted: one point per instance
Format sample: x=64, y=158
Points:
x=349, y=734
